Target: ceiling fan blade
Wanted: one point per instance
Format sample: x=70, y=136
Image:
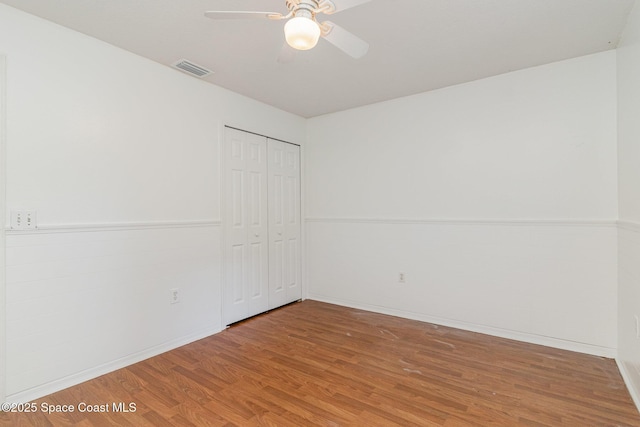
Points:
x=349, y=43
x=233, y=14
x=287, y=54
x=340, y=5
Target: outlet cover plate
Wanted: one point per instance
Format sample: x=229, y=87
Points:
x=174, y=295
x=23, y=219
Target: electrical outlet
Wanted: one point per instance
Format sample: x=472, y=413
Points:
x=23, y=219
x=174, y=295
x=401, y=278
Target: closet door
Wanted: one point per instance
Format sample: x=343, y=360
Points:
x=284, y=223
x=246, y=274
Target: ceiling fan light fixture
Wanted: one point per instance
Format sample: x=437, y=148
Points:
x=301, y=33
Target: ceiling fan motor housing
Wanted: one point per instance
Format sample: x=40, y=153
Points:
x=303, y=8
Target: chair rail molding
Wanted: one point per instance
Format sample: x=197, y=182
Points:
x=563, y=222
x=113, y=226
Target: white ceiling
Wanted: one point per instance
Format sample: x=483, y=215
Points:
x=415, y=45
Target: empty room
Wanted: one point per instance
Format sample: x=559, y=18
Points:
x=313, y=212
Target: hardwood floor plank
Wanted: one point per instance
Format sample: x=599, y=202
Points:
x=156, y=419
x=200, y=415
x=320, y=364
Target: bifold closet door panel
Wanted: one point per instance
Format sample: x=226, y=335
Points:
x=284, y=223
x=246, y=226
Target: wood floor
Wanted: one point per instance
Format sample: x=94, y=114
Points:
x=312, y=363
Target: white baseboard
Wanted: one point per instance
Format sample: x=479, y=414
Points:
x=488, y=330
x=631, y=386
x=89, y=374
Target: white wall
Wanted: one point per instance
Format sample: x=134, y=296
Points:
x=629, y=200
x=496, y=198
x=120, y=157
x=2, y=232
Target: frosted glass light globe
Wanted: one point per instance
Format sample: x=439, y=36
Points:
x=301, y=33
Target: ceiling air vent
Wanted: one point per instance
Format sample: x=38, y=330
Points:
x=191, y=68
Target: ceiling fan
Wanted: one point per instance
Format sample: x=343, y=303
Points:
x=302, y=29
